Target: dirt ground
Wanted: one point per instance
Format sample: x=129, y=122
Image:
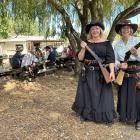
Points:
x=41, y=110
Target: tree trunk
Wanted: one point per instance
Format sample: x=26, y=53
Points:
x=74, y=46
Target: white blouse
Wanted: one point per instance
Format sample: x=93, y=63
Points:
x=28, y=59
x=120, y=48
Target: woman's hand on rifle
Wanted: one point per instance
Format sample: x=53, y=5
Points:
x=112, y=73
x=112, y=76
x=82, y=51
x=83, y=45
x=134, y=51
x=123, y=65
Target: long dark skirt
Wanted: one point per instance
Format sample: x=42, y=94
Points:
x=94, y=98
x=129, y=101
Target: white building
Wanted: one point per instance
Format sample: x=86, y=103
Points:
x=8, y=46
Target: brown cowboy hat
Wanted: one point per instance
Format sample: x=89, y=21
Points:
x=88, y=26
x=126, y=23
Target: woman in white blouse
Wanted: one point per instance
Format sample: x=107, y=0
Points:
x=128, y=105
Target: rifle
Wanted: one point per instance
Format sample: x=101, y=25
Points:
x=121, y=73
x=104, y=71
x=128, y=53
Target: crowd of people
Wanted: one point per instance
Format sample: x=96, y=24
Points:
x=94, y=99
x=38, y=58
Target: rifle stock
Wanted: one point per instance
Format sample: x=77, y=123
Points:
x=105, y=73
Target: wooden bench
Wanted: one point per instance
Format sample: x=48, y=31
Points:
x=47, y=70
x=14, y=72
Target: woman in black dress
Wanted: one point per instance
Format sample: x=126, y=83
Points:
x=128, y=105
x=94, y=98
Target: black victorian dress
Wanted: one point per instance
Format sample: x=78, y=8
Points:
x=94, y=98
x=128, y=105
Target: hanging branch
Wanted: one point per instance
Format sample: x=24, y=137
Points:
x=127, y=13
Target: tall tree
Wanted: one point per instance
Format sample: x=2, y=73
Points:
x=4, y=24
x=93, y=10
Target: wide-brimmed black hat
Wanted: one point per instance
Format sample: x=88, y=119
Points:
x=126, y=23
x=88, y=26
x=36, y=43
x=19, y=47
x=47, y=47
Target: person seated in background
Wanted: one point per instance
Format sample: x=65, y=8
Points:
x=38, y=51
x=54, y=49
x=60, y=62
x=16, y=61
x=67, y=57
x=71, y=55
x=46, y=52
x=29, y=64
x=17, y=57
x=1, y=61
x=64, y=53
x=39, y=54
x=50, y=56
x=1, y=57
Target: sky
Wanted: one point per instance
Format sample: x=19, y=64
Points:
x=136, y=19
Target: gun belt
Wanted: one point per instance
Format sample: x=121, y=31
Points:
x=89, y=62
x=92, y=68
x=134, y=67
x=135, y=75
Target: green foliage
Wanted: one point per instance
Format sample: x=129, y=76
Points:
x=30, y=17
x=4, y=25
x=24, y=27
x=138, y=31
x=124, y=3
x=3, y=31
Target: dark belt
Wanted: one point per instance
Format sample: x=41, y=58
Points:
x=134, y=67
x=135, y=75
x=92, y=68
x=90, y=62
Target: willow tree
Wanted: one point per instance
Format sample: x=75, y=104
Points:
x=24, y=13
x=88, y=10
x=23, y=17
x=96, y=10
x=4, y=24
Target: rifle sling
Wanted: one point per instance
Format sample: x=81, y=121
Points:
x=99, y=60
